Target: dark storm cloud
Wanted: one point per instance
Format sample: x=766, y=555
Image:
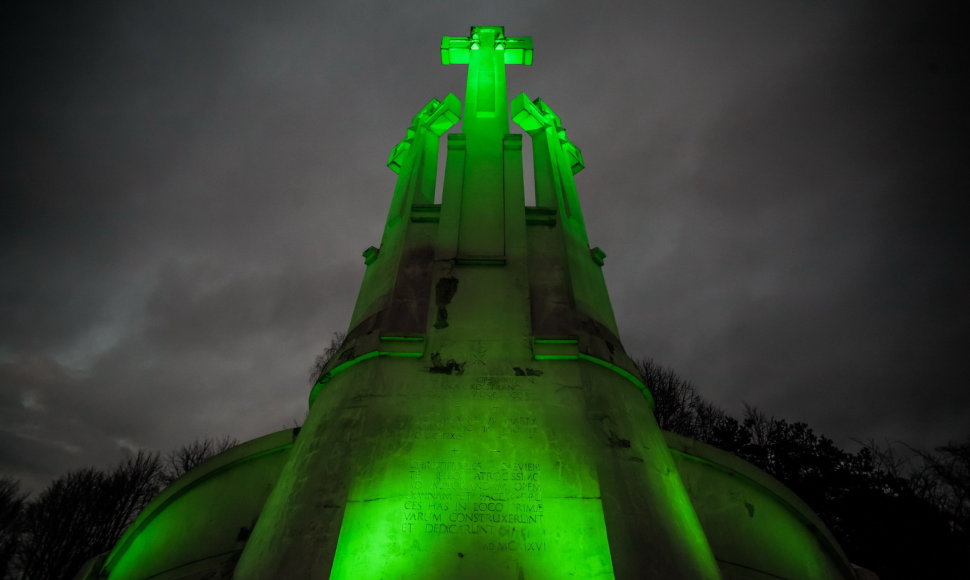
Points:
x=812, y=255
x=187, y=189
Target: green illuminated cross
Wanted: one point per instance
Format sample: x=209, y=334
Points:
x=415, y=158
x=536, y=116
x=436, y=117
x=486, y=51
x=556, y=154
x=485, y=124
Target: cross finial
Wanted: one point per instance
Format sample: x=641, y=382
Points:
x=486, y=51
x=457, y=49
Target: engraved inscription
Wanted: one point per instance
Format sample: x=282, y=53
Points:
x=456, y=427
x=499, y=500
x=498, y=388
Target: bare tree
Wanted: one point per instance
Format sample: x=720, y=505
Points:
x=183, y=459
x=675, y=399
x=950, y=468
x=323, y=358
x=11, y=520
x=82, y=514
x=679, y=408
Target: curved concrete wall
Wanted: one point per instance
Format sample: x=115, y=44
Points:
x=757, y=528
x=196, y=528
x=198, y=525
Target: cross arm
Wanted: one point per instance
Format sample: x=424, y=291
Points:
x=457, y=49
x=535, y=116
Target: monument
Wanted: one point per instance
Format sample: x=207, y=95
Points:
x=481, y=420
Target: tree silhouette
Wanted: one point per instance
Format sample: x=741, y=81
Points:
x=183, y=459
x=898, y=519
x=680, y=408
x=323, y=358
x=11, y=520
x=82, y=514
x=950, y=468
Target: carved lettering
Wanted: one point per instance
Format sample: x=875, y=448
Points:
x=502, y=499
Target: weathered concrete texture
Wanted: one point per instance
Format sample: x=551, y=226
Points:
x=482, y=474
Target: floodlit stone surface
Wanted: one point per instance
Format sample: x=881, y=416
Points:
x=481, y=420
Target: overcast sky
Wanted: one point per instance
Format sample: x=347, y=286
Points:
x=187, y=188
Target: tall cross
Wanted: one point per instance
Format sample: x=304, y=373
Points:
x=486, y=51
x=481, y=226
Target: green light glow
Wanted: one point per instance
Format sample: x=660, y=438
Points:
x=415, y=158
x=370, y=254
x=622, y=372
x=326, y=378
x=482, y=213
x=598, y=361
x=447, y=505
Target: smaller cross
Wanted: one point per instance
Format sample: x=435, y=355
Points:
x=436, y=117
x=536, y=116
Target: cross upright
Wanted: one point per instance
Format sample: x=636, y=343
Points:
x=479, y=158
x=486, y=51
